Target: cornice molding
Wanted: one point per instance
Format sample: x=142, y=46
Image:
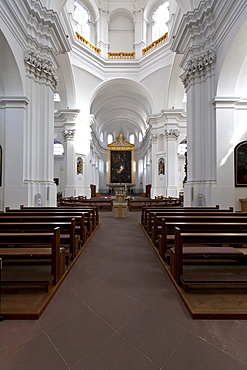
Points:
x=173, y=116
x=67, y=117
x=206, y=27
x=14, y=101
x=28, y=19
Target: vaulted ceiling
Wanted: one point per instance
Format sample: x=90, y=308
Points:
x=121, y=106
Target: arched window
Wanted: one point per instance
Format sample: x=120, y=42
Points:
x=159, y=20
x=140, y=137
x=101, y=137
x=132, y=139
x=57, y=96
x=82, y=20
x=58, y=148
x=182, y=147
x=109, y=138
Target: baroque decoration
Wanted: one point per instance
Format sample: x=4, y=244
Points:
x=41, y=69
x=198, y=66
x=69, y=134
x=172, y=134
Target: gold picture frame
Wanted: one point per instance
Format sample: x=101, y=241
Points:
x=120, y=161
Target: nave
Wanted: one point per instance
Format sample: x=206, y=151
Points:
x=118, y=309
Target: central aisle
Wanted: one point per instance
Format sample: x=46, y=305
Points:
x=118, y=310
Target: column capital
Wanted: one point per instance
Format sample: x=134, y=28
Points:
x=198, y=66
x=41, y=69
x=68, y=135
x=172, y=134
x=154, y=138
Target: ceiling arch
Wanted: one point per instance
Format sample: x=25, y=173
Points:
x=121, y=106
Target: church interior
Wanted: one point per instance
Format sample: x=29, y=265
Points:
x=123, y=184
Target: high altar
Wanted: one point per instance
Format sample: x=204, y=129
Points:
x=120, y=165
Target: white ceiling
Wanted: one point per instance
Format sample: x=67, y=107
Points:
x=121, y=106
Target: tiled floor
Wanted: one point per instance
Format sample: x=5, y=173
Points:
x=118, y=310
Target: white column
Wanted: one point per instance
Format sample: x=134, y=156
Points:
x=140, y=32
x=231, y=115
x=102, y=29
x=171, y=170
x=13, y=191
x=153, y=161
x=198, y=80
x=70, y=165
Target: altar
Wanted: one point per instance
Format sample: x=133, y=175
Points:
x=119, y=188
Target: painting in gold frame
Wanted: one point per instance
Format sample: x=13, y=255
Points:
x=240, y=154
x=120, y=161
x=0, y=165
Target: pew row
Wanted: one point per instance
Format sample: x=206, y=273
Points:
x=154, y=222
x=24, y=217
x=92, y=209
x=167, y=236
x=68, y=237
x=145, y=202
x=101, y=203
x=204, y=245
x=147, y=210
x=34, y=246
x=90, y=216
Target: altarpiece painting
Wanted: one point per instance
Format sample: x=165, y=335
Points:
x=240, y=154
x=120, y=161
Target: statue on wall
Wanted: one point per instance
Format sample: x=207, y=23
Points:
x=185, y=168
x=79, y=165
x=161, y=170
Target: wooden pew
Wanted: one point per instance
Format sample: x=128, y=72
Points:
x=149, y=202
x=67, y=233
x=145, y=210
x=24, y=217
x=148, y=213
x=168, y=232
x=34, y=245
x=194, y=243
x=155, y=218
x=92, y=209
x=89, y=215
x=99, y=202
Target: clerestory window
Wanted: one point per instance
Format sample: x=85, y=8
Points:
x=132, y=139
x=58, y=148
x=82, y=20
x=159, y=20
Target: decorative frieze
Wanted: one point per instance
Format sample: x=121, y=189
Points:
x=41, y=69
x=68, y=134
x=198, y=67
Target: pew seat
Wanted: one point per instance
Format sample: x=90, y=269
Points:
x=205, y=246
x=26, y=276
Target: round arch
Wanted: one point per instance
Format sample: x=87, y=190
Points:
x=233, y=71
x=121, y=105
x=10, y=76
